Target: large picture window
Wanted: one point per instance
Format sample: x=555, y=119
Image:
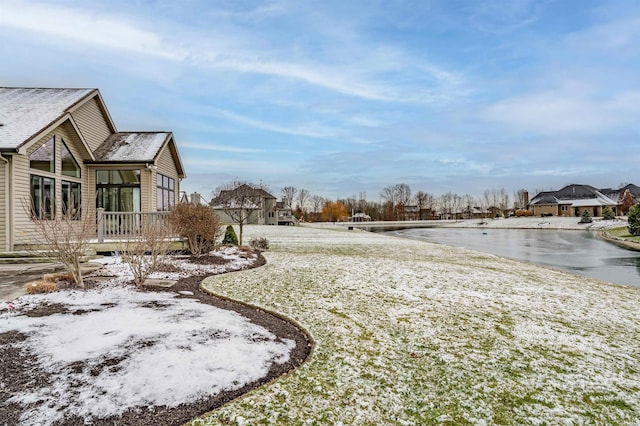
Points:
x=42, y=197
x=118, y=190
x=165, y=192
x=71, y=193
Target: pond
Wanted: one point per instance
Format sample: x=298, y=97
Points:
x=579, y=252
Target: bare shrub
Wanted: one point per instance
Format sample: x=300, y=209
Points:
x=522, y=212
x=40, y=286
x=260, y=244
x=65, y=239
x=143, y=253
x=199, y=225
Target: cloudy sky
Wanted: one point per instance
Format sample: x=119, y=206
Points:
x=343, y=97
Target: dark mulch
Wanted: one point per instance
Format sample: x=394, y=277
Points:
x=19, y=370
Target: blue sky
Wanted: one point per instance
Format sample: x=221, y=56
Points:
x=343, y=97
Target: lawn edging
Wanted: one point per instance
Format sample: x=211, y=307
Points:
x=619, y=241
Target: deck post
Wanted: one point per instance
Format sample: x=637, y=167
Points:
x=100, y=223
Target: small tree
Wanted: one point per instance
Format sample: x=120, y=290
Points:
x=230, y=236
x=607, y=213
x=239, y=200
x=142, y=253
x=627, y=201
x=634, y=220
x=586, y=217
x=198, y=224
x=66, y=237
x=334, y=211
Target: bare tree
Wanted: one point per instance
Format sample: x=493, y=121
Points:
x=424, y=201
x=239, y=200
x=288, y=194
x=520, y=201
x=504, y=200
x=303, y=197
x=143, y=252
x=403, y=197
x=66, y=237
x=316, y=203
x=446, y=205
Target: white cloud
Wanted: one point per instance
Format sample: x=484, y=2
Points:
x=220, y=148
x=84, y=27
x=564, y=111
x=621, y=35
x=313, y=130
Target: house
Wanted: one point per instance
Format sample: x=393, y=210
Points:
x=60, y=152
x=284, y=214
x=573, y=200
x=360, y=217
x=256, y=204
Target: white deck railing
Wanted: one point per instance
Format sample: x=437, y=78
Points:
x=120, y=225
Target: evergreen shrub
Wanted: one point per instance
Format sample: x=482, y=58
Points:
x=230, y=236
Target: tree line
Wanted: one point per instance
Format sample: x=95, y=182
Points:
x=399, y=202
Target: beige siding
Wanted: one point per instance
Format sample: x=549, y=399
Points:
x=25, y=232
x=167, y=167
x=92, y=123
x=3, y=206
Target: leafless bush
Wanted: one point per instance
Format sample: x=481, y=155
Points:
x=261, y=244
x=40, y=286
x=522, y=212
x=143, y=253
x=65, y=238
x=199, y=225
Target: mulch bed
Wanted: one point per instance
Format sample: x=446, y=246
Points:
x=19, y=370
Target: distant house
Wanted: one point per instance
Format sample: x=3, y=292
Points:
x=259, y=206
x=573, y=200
x=360, y=217
x=60, y=152
x=284, y=214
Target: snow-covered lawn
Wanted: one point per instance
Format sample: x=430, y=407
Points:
x=137, y=348
x=409, y=332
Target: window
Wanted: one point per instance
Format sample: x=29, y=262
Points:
x=69, y=164
x=42, y=197
x=118, y=190
x=115, y=177
x=43, y=158
x=71, y=196
x=165, y=192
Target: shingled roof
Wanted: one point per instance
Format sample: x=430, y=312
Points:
x=576, y=195
x=25, y=112
x=137, y=147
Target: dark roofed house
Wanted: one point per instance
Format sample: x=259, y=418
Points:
x=573, y=200
x=59, y=149
x=259, y=205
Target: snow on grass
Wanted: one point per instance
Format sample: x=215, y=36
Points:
x=138, y=348
x=409, y=332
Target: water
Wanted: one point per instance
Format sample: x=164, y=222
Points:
x=580, y=252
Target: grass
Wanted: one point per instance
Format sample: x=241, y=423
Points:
x=409, y=332
x=623, y=232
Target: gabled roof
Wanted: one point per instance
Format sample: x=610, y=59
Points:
x=135, y=147
x=576, y=195
x=229, y=196
x=25, y=112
